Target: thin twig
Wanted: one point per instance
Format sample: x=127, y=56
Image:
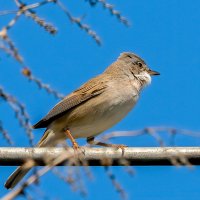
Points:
x=115, y=183
x=12, y=50
x=6, y=134
x=27, y=73
x=111, y=9
x=20, y=113
x=78, y=22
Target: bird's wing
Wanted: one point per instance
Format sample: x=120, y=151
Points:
x=89, y=90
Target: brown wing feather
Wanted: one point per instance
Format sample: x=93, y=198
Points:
x=79, y=96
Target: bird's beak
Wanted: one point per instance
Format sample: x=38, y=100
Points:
x=153, y=73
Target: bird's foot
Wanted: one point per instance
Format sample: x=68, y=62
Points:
x=117, y=146
x=78, y=150
x=75, y=145
x=120, y=146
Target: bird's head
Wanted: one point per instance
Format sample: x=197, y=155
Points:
x=137, y=67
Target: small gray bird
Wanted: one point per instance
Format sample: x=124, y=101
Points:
x=93, y=108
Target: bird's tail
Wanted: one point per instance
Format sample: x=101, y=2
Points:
x=21, y=171
x=15, y=177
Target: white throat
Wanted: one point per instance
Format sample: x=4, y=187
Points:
x=144, y=78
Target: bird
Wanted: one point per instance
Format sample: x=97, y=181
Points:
x=93, y=108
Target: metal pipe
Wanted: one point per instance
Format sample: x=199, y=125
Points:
x=135, y=156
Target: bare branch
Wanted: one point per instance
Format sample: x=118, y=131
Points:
x=114, y=12
x=116, y=184
x=78, y=21
x=27, y=73
x=32, y=14
x=151, y=131
x=5, y=134
x=110, y=8
x=20, y=113
x=12, y=50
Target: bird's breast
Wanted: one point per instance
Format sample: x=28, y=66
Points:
x=101, y=112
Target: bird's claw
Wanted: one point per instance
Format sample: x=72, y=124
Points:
x=78, y=149
x=120, y=146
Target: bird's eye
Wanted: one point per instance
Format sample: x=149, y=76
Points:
x=139, y=64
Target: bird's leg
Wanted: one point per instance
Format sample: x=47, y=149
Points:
x=91, y=141
x=74, y=143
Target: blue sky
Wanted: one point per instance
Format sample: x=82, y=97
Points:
x=164, y=33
